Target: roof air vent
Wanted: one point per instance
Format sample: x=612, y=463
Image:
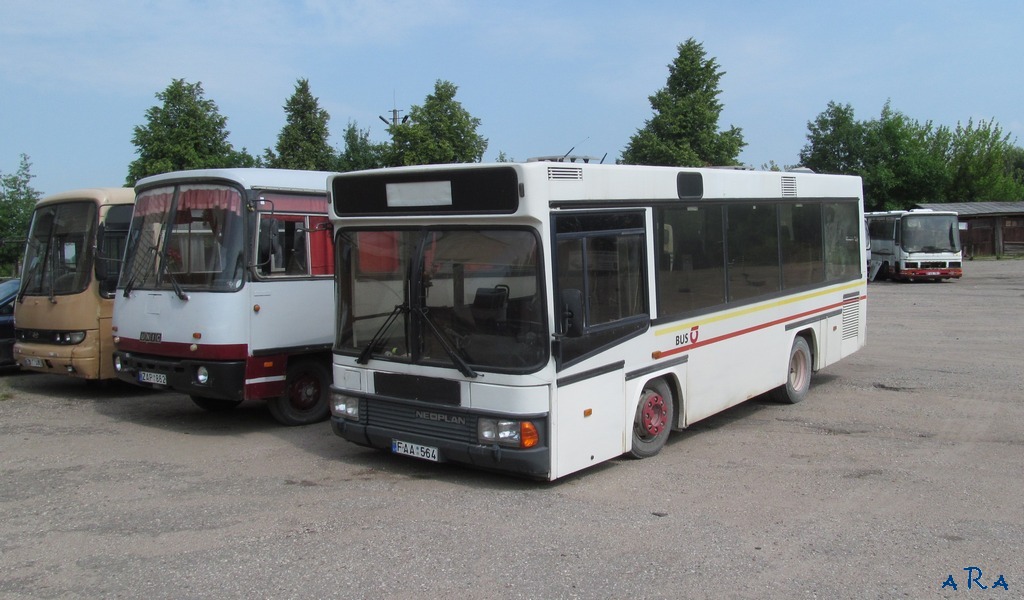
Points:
x=788, y=186
x=564, y=173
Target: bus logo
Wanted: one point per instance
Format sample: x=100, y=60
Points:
x=148, y=336
x=690, y=337
x=434, y=416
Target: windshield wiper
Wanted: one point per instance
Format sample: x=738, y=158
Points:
x=130, y=285
x=460, y=362
x=364, y=356
x=24, y=287
x=180, y=293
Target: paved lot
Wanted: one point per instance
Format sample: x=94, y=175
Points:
x=902, y=467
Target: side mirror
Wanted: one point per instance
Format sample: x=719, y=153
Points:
x=572, y=313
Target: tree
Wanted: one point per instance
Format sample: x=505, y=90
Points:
x=17, y=199
x=901, y=161
x=441, y=131
x=360, y=153
x=185, y=132
x=302, y=143
x=835, y=142
x=982, y=164
x=684, y=129
x=904, y=161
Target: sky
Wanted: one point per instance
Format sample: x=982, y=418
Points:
x=544, y=78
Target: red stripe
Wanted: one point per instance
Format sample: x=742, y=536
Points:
x=182, y=350
x=666, y=353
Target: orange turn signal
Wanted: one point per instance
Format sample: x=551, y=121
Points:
x=528, y=436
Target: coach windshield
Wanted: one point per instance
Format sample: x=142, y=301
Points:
x=467, y=299
x=186, y=237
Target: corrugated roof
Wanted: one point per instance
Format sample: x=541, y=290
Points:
x=978, y=209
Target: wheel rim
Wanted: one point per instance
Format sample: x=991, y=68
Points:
x=653, y=415
x=798, y=371
x=304, y=392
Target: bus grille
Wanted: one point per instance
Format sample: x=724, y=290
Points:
x=851, y=318
x=788, y=186
x=421, y=420
x=565, y=173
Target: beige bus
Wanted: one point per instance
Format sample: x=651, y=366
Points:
x=72, y=261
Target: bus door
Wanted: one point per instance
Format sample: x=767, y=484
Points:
x=587, y=418
x=601, y=300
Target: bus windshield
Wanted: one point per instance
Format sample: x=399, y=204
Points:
x=186, y=237
x=468, y=299
x=930, y=233
x=58, y=256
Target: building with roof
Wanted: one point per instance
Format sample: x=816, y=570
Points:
x=988, y=228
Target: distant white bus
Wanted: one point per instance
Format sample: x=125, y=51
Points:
x=72, y=261
x=915, y=245
x=227, y=286
x=543, y=317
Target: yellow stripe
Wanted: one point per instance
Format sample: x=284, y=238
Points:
x=757, y=308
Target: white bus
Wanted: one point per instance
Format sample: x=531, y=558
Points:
x=72, y=261
x=915, y=245
x=227, y=288
x=542, y=317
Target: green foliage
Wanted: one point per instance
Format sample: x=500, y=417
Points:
x=984, y=165
x=684, y=129
x=185, y=132
x=302, y=143
x=904, y=162
x=439, y=132
x=835, y=142
x=17, y=199
x=360, y=153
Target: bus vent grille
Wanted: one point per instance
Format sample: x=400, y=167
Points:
x=433, y=421
x=851, y=319
x=560, y=173
x=788, y=186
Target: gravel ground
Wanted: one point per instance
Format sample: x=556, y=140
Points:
x=901, y=468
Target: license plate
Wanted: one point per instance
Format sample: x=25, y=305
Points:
x=157, y=378
x=933, y=273
x=31, y=361
x=424, y=452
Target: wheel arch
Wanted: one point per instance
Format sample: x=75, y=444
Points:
x=811, y=337
x=675, y=387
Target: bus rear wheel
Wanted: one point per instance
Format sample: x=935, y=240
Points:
x=798, y=376
x=214, y=404
x=306, y=394
x=653, y=420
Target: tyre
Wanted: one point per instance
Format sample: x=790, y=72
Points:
x=214, y=404
x=653, y=421
x=306, y=394
x=798, y=375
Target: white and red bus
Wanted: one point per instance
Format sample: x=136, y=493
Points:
x=542, y=317
x=72, y=261
x=915, y=245
x=227, y=290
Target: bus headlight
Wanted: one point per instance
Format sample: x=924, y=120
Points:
x=504, y=432
x=69, y=338
x=117, y=363
x=202, y=375
x=343, y=405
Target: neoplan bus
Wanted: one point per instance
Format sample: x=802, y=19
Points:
x=539, y=318
x=915, y=245
x=227, y=286
x=72, y=262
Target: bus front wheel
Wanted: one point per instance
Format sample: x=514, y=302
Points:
x=653, y=420
x=798, y=375
x=306, y=394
